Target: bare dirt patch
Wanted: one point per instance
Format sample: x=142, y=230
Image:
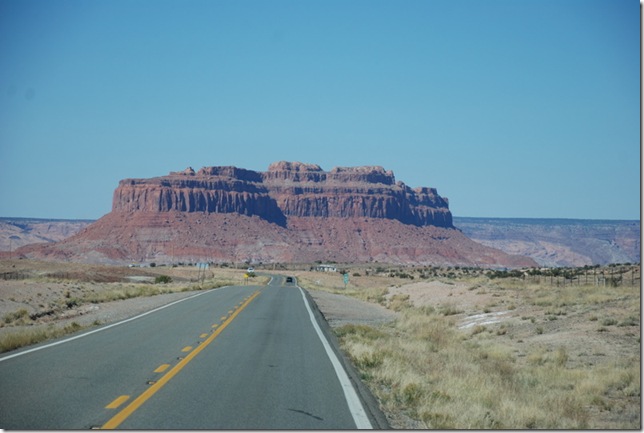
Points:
x=437, y=292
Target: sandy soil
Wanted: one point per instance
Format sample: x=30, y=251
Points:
x=514, y=316
x=523, y=324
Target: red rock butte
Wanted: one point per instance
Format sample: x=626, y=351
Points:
x=292, y=213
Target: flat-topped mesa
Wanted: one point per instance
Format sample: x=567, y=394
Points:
x=287, y=189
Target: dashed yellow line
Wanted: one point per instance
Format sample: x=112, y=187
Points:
x=162, y=368
x=117, y=402
x=204, y=335
x=117, y=419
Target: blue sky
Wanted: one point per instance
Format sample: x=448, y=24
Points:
x=509, y=108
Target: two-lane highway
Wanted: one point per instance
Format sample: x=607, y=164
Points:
x=244, y=357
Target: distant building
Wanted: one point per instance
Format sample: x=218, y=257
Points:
x=326, y=268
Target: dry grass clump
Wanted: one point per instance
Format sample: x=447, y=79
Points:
x=17, y=317
x=424, y=367
x=121, y=292
x=33, y=336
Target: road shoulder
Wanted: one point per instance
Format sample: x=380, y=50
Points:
x=336, y=310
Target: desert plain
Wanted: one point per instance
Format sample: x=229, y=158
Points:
x=449, y=348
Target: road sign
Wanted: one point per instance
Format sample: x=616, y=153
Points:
x=202, y=267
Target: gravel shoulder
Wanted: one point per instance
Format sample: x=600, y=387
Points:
x=339, y=310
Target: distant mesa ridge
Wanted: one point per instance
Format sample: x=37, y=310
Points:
x=287, y=189
x=291, y=213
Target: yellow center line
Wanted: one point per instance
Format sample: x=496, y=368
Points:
x=187, y=349
x=136, y=403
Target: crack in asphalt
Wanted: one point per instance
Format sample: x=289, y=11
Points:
x=306, y=413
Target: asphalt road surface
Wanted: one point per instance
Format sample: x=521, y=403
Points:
x=244, y=357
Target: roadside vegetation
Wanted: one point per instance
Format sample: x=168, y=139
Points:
x=560, y=356
x=28, y=337
x=44, y=300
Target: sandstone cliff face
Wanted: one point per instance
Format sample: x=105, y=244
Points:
x=287, y=189
x=187, y=195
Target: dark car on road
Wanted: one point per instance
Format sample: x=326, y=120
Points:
x=289, y=279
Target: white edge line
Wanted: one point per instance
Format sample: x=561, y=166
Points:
x=353, y=401
x=105, y=327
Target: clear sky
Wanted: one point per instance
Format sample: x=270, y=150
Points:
x=509, y=108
